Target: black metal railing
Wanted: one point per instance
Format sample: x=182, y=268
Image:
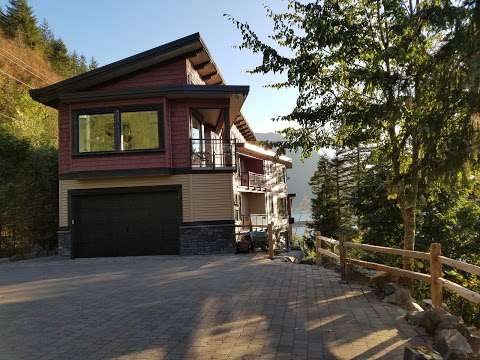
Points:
x=213, y=153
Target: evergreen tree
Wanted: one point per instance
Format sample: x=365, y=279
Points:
x=93, y=64
x=82, y=64
x=334, y=184
x=325, y=217
x=58, y=56
x=3, y=20
x=46, y=32
x=21, y=22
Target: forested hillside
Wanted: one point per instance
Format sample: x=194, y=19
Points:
x=30, y=56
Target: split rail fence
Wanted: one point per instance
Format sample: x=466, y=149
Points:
x=434, y=257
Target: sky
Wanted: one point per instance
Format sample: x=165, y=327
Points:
x=110, y=30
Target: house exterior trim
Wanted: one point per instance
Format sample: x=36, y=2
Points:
x=101, y=174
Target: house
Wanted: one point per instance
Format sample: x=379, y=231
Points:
x=155, y=157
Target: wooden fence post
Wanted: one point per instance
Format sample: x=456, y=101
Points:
x=271, y=252
x=436, y=273
x=318, y=245
x=343, y=257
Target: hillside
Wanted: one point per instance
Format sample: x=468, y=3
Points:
x=22, y=68
x=31, y=56
x=299, y=175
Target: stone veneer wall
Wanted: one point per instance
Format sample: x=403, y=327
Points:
x=202, y=239
x=64, y=242
x=195, y=239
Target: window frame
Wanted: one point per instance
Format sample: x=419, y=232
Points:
x=117, y=110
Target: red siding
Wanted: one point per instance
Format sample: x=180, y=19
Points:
x=176, y=124
x=172, y=73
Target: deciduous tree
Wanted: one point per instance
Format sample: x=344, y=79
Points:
x=389, y=73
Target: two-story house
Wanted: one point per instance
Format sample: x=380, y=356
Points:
x=155, y=157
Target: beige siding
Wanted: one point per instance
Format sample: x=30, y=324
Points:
x=206, y=197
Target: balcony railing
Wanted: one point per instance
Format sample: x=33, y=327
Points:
x=213, y=153
x=252, y=179
x=255, y=220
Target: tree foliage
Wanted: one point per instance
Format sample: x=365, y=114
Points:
x=28, y=195
x=388, y=73
x=19, y=22
x=334, y=185
x=28, y=130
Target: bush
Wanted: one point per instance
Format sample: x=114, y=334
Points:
x=28, y=195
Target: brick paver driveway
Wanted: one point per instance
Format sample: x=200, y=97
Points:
x=222, y=307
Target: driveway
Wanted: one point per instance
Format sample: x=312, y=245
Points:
x=220, y=307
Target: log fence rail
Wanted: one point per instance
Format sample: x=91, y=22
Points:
x=434, y=256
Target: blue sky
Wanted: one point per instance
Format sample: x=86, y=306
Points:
x=113, y=29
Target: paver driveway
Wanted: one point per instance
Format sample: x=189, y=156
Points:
x=218, y=307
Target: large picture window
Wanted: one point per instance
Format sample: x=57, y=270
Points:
x=119, y=130
x=139, y=130
x=96, y=132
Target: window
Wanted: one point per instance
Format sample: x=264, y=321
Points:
x=197, y=134
x=96, y=132
x=139, y=130
x=120, y=130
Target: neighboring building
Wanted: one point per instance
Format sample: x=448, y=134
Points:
x=155, y=157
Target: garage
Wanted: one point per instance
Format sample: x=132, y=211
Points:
x=126, y=222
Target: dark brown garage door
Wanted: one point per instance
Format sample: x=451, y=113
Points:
x=126, y=223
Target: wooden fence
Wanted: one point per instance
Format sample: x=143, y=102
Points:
x=434, y=257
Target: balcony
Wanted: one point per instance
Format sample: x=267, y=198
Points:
x=255, y=221
x=213, y=154
x=252, y=180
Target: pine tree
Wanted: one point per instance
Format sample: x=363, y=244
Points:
x=93, y=64
x=82, y=64
x=21, y=22
x=46, y=32
x=3, y=20
x=58, y=56
x=325, y=217
x=334, y=185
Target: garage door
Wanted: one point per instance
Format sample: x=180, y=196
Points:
x=126, y=223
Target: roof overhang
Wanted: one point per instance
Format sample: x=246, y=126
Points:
x=191, y=47
x=262, y=153
x=239, y=93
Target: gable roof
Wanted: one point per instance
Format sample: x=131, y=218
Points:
x=191, y=47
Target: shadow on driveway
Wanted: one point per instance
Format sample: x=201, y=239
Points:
x=208, y=307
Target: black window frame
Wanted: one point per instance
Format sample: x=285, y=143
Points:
x=117, y=110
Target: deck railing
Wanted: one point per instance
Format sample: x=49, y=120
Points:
x=338, y=250
x=252, y=180
x=212, y=153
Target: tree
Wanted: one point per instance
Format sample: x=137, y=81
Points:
x=388, y=73
x=93, y=64
x=333, y=185
x=46, y=32
x=378, y=217
x=325, y=214
x=58, y=56
x=20, y=21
